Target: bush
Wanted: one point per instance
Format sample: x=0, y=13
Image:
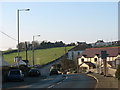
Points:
x=5, y=71
x=68, y=65
x=117, y=74
x=24, y=69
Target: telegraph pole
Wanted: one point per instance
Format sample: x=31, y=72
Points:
x=65, y=51
x=104, y=57
x=33, y=49
x=26, y=50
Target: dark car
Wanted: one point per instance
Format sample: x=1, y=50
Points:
x=34, y=72
x=53, y=72
x=15, y=75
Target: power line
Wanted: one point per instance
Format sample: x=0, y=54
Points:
x=8, y=36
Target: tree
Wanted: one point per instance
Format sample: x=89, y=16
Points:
x=45, y=44
x=71, y=44
x=36, y=44
x=68, y=65
x=21, y=45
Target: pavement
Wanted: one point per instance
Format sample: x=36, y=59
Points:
x=105, y=82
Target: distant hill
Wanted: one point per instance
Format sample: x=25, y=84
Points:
x=42, y=56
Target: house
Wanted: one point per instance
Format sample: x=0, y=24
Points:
x=19, y=61
x=86, y=66
x=100, y=43
x=116, y=43
x=76, y=51
x=93, y=55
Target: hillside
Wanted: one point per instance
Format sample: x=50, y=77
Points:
x=42, y=56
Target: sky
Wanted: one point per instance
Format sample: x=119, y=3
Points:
x=59, y=21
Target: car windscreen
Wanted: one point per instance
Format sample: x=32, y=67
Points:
x=14, y=72
x=34, y=70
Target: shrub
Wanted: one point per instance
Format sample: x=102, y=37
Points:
x=68, y=65
x=5, y=71
x=117, y=74
x=24, y=69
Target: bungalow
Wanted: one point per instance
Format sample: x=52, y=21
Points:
x=93, y=55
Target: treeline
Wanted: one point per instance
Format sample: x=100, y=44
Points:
x=42, y=45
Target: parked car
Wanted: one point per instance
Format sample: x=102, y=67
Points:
x=15, y=74
x=53, y=72
x=34, y=72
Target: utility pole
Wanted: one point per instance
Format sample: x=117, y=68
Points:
x=26, y=50
x=65, y=51
x=33, y=48
x=104, y=57
x=33, y=51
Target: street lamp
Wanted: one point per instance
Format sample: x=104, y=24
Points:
x=18, y=27
x=33, y=48
x=18, y=58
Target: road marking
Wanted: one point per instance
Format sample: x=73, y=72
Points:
x=51, y=86
x=66, y=77
x=94, y=78
x=58, y=82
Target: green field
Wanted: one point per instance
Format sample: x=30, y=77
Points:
x=42, y=56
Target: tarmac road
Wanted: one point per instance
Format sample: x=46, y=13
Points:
x=59, y=81
x=77, y=81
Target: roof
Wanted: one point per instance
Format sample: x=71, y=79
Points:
x=26, y=61
x=19, y=63
x=79, y=47
x=99, y=41
x=91, y=52
x=89, y=64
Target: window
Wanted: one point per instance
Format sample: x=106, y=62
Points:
x=82, y=60
x=95, y=59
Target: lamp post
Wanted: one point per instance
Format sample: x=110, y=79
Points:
x=33, y=49
x=18, y=27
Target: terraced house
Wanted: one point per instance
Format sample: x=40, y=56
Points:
x=90, y=59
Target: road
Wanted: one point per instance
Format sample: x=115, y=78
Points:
x=28, y=80
x=76, y=81
x=46, y=69
x=60, y=81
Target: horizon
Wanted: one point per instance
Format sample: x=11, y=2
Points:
x=63, y=42
x=59, y=21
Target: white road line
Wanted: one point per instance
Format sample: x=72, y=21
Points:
x=94, y=78
x=51, y=86
x=66, y=77
x=59, y=82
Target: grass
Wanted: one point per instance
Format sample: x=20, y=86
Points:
x=42, y=56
